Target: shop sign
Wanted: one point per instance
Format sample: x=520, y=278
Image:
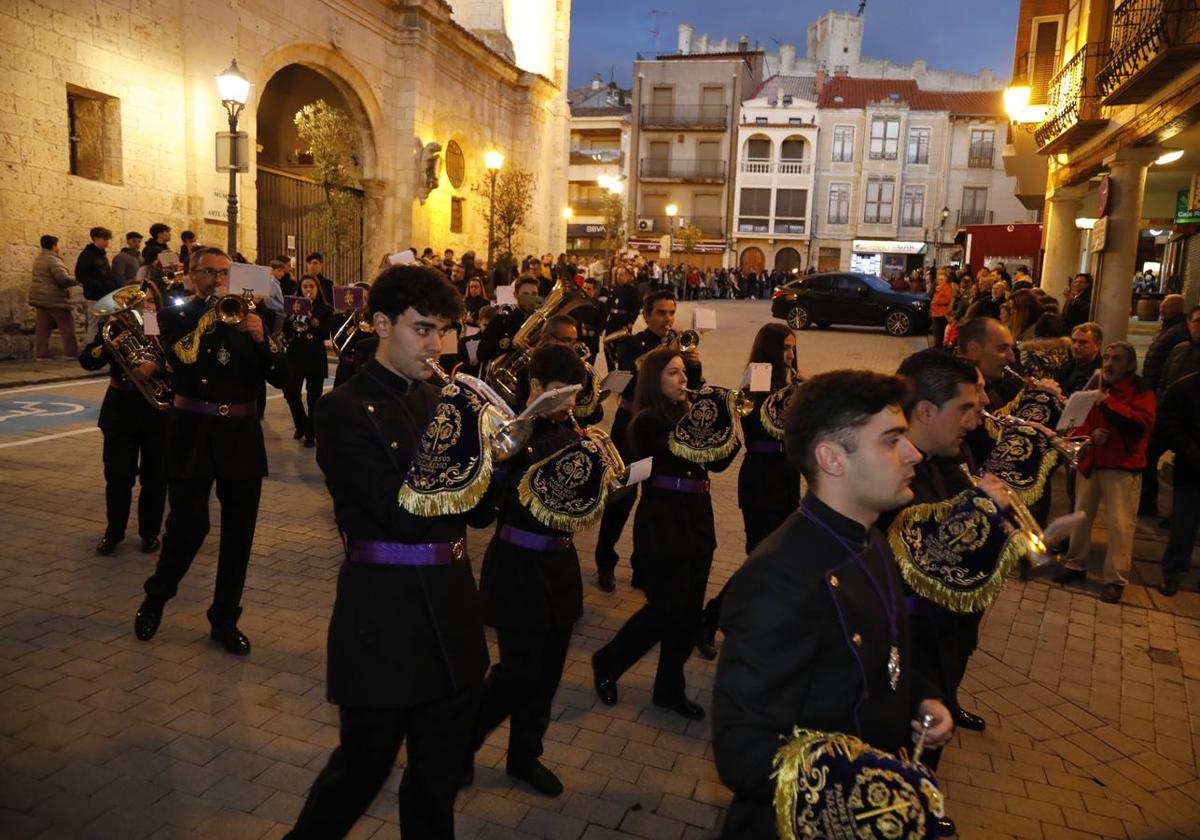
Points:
x=585, y=231
x=1184, y=212
x=885, y=246
x=1099, y=236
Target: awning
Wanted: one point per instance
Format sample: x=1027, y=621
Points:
x=886, y=246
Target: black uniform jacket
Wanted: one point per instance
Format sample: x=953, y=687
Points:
x=668, y=522
x=591, y=317
x=525, y=589
x=806, y=644
x=766, y=480
x=210, y=446
x=124, y=408
x=399, y=635
x=629, y=349
x=1000, y=392
x=622, y=308
x=497, y=338
x=306, y=351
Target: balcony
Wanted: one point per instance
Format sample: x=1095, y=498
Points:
x=676, y=169
x=1153, y=42
x=982, y=157
x=1073, y=107
x=597, y=157
x=588, y=206
x=783, y=167
x=1038, y=69
x=700, y=117
x=974, y=217
x=659, y=225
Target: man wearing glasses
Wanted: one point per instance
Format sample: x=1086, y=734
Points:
x=214, y=436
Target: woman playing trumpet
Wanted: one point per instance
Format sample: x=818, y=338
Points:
x=308, y=364
x=670, y=563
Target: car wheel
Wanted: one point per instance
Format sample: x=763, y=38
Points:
x=797, y=318
x=898, y=322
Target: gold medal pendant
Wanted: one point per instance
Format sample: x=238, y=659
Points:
x=893, y=667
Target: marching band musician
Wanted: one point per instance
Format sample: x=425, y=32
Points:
x=357, y=350
x=133, y=444
x=658, y=309
x=530, y=583
x=622, y=307
x=213, y=435
x=308, y=364
x=592, y=317
x=816, y=635
x=497, y=338
x=407, y=655
x=768, y=486
x=669, y=562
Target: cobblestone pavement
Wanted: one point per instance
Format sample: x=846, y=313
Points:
x=1093, y=709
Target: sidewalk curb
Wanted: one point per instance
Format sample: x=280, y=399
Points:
x=83, y=374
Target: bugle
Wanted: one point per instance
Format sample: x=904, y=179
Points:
x=1072, y=449
x=1025, y=522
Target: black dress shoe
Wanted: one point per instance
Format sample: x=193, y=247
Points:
x=683, y=707
x=231, y=638
x=309, y=443
x=151, y=545
x=538, y=776
x=966, y=720
x=106, y=546
x=606, y=581
x=706, y=648
x=298, y=434
x=147, y=619
x=1169, y=587
x=606, y=687
x=946, y=827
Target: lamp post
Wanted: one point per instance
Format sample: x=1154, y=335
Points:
x=493, y=160
x=941, y=235
x=234, y=89
x=672, y=210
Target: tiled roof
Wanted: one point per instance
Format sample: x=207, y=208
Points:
x=799, y=87
x=855, y=93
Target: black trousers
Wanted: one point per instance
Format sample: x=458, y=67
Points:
x=674, y=599
x=187, y=526
x=612, y=523
x=942, y=644
x=759, y=524
x=313, y=386
x=1155, y=449
x=521, y=687
x=438, y=735
x=129, y=456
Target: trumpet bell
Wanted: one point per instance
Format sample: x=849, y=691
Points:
x=688, y=341
x=232, y=309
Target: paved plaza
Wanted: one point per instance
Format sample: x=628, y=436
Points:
x=1093, y=709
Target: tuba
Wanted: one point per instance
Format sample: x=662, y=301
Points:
x=124, y=316
x=504, y=372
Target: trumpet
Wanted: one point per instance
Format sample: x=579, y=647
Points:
x=684, y=342
x=743, y=405
x=1072, y=449
x=1031, y=383
x=512, y=432
x=1025, y=523
x=233, y=309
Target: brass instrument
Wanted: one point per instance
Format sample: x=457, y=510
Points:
x=356, y=323
x=503, y=372
x=743, y=403
x=124, y=317
x=1072, y=449
x=682, y=342
x=512, y=433
x=1025, y=523
x=608, y=453
x=1031, y=383
x=232, y=309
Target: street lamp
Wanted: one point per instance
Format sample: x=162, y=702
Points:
x=234, y=89
x=493, y=160
x=672, y=209
x=941, y=236
x=568, y=213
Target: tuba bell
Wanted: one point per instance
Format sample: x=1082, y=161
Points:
x=124, y=317
x=504, y=372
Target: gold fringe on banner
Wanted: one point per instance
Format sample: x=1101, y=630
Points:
x=706, y=433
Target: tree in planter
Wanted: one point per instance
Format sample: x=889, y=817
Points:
x=333, y=143
x=615, y=213
x=689, y=238
x=515, y=187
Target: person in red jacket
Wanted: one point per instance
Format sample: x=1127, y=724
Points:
x=1119, y=427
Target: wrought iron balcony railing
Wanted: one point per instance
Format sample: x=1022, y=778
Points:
x=597, y=157
x=1152, y=42
x=675, y=169
x=1073, y=107
x=659, y=225
x=1037, y=69
x=685, y=116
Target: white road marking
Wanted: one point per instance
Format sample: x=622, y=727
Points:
x=89, y=380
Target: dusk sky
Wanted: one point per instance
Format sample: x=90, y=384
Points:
x=606, y=34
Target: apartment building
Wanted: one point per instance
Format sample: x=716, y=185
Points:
x=1105, y=110
x=685, y=111
x=600, y=131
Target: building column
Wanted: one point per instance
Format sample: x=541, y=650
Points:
x=1110, y=300
x=1062, y=239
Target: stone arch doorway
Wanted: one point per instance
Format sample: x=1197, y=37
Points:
x=787, y=259
x=296, y=215
x=752, y=261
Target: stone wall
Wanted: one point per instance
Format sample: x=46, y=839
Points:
x=411, y=73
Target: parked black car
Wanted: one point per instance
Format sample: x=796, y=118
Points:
x=850, y=298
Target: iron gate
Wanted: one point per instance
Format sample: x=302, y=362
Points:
x=289, y=205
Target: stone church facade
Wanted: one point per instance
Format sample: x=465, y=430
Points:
x=108, y=115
